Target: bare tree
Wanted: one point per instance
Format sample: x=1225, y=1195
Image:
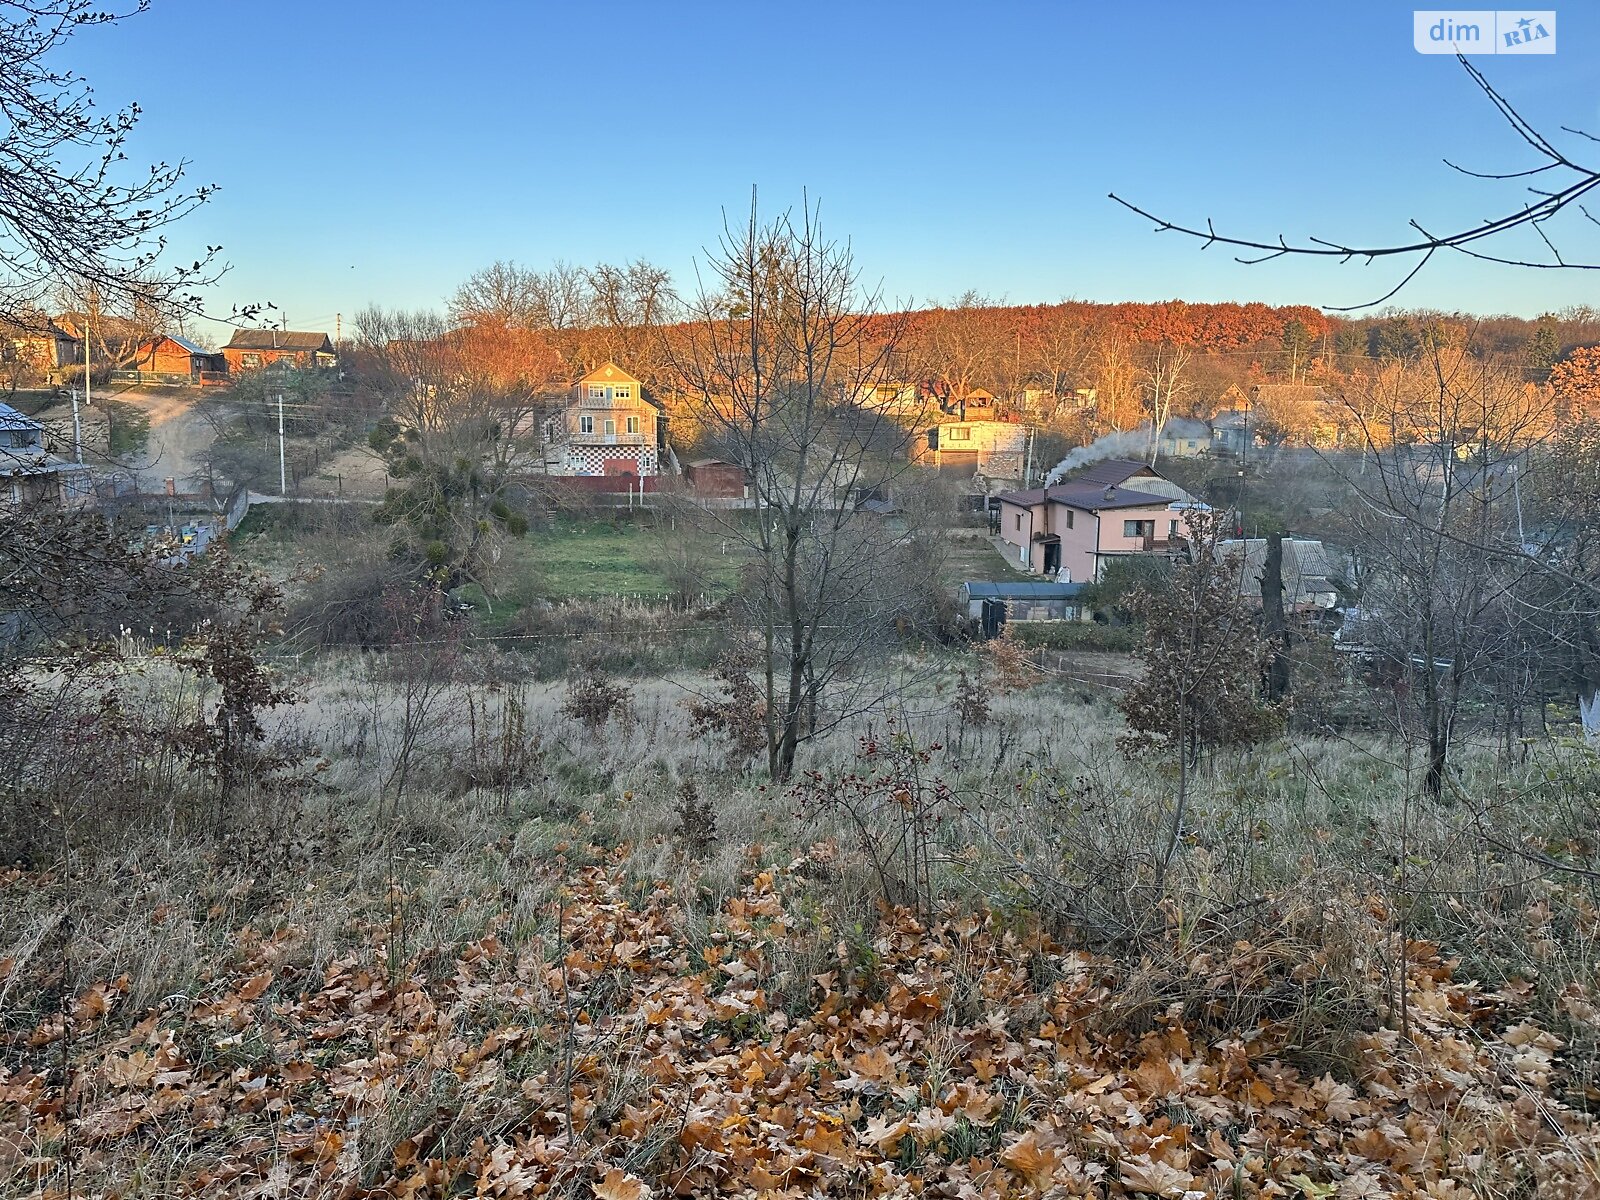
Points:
x=953, y=350
x=467, y=409
x=71, y=212
x=1433, y=518
x=517, y=297
x=1166, y=380
x=1562, y=182
x=776, y=380
x=628, y=306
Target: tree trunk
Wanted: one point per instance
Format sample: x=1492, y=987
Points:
x=1277, y=628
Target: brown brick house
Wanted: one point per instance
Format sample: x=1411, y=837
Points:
x=252, y=349
x=169, y=354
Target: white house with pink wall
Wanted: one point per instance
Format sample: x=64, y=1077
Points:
x=1069, y=531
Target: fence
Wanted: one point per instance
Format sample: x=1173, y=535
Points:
x=171, y=378
x=238, y=510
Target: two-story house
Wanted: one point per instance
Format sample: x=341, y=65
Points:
x=609, y=427
x=30, y=476
x=995, y=449
x=1070, y=531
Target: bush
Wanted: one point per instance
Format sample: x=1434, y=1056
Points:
x=1075, y=635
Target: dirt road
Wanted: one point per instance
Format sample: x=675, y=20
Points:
x=179, y=438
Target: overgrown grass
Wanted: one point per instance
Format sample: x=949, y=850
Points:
x=1314, y=887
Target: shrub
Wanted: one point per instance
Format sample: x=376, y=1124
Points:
x=594, y=701
x=1076, y=635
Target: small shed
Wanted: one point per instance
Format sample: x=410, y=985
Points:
x=1023, y=600
x=716, y=479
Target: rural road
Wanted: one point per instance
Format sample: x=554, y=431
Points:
x=179, y=438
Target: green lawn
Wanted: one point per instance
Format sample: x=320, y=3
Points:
x=576, y=557
x=976, y=559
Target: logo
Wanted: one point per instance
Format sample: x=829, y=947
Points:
x=1484, y=31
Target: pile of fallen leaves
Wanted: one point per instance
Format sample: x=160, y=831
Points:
x=626, y=1050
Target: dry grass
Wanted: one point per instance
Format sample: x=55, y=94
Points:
x=1312, y=882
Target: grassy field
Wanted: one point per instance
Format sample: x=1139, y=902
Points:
x=968, y=558
x=529, y=956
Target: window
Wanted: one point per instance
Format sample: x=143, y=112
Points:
x=249, y=361
x=1019, y=522
x=597, y=391
x=586, y=424
x=1138, y=529
x=1069, y=517
x=959, y=433
x=633, y=424
x=621, y=392
x=1172, y=527
x=611, y=427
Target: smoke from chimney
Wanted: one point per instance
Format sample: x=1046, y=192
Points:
x=1131, y=443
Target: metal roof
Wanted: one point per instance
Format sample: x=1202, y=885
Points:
x=1021, y=589
x=10, y=418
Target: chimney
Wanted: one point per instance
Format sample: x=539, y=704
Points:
x=1111, y=491
x=172, y=487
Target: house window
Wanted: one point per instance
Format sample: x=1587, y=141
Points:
x=633, y=424
x=1019, y=522
x=1138, y=529
x=597, y=391
x=621, y=392
x=611, y=428
x=1172, y=527
x=1069, y=518
x=249, y=361
x=586, y=424
x=959, y=433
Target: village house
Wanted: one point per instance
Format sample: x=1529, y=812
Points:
x=1230, y=432
x=1069, y=531
x=44, y=348
x=31, y=477
x=1183, y=438
x=1309, y=571
x=608, y=428
x=893, y=398
x=175, y=358
x=994, y=449
x=253, y=349
x=1295, y=414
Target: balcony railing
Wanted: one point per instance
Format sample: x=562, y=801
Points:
x=608, y=439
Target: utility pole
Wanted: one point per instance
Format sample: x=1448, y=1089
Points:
x=283, y=474
x=87, y=369
x=77, y=427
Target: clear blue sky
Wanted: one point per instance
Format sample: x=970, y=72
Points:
x=382, y=152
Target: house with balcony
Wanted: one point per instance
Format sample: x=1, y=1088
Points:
x=609, y=427
x=1069, y=531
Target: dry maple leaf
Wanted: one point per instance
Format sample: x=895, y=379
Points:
x=1145, y=1174
x=619, y=1185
